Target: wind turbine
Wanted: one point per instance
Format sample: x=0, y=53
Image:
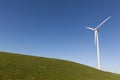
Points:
x=97, y=40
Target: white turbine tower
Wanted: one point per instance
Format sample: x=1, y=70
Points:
x=97, y=40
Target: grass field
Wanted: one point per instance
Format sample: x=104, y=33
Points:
x=23, y=67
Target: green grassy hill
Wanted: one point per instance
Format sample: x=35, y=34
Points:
x=22, y=67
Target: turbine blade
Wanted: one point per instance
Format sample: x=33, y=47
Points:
x=90, y=28
x=95, y=37
x=103, y=22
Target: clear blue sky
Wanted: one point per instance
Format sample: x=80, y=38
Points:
x=56, y=29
